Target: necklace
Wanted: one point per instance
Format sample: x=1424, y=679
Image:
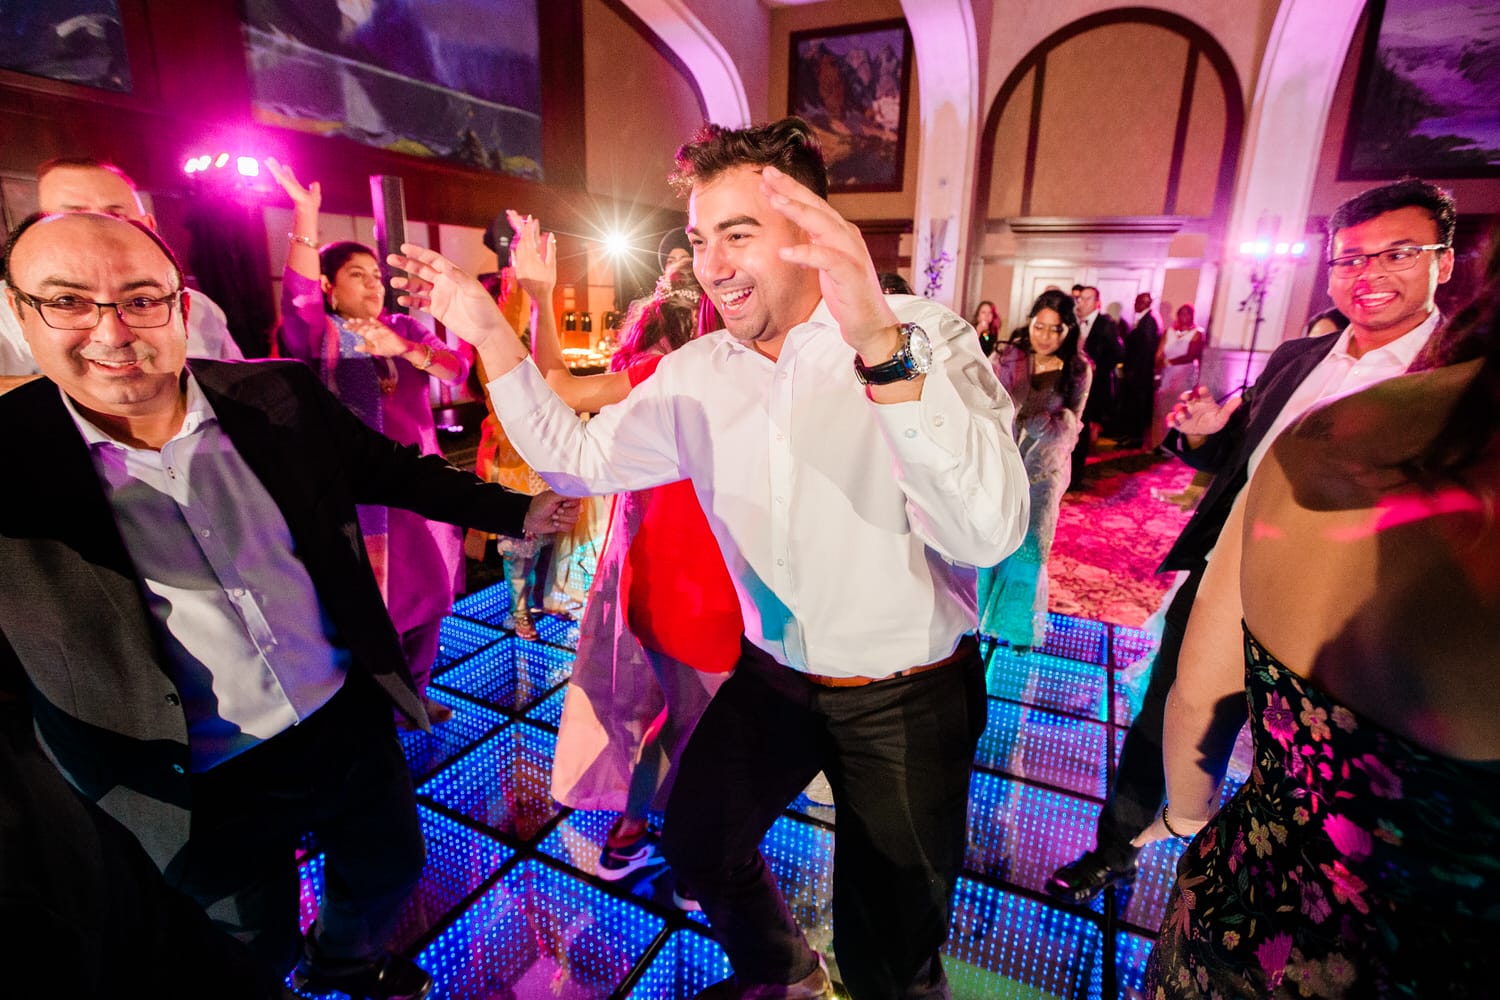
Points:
x=1042, y=364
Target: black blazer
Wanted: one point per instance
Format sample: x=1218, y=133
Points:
x=1227, y=453
x=75, y=632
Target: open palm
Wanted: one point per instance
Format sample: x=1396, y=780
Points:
x=454, y=297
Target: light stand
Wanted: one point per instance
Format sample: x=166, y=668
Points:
x=1263, y=259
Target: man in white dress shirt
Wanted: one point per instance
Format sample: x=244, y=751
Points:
x=853, y=454
x=82, y=185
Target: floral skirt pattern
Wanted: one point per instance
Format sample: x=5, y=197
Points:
x=1352, y=863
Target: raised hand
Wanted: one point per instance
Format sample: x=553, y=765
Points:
x=835, y=247
x=304, y=199
x=533, y=255
x=1198, y=414
x=454, y=298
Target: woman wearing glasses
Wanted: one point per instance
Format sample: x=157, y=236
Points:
x=378, y=364
x=1047, y=376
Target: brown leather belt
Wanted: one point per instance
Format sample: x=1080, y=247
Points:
x=964, y=650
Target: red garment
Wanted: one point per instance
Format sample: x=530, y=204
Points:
x=679, y=599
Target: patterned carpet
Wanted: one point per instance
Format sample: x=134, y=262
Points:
x=1112, y=535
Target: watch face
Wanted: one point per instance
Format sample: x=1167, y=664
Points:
x=918, y=346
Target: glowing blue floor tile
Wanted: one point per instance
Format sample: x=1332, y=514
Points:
x=1059, y=750
x=800, y=855
x=1131, y=953
x=1003, y=945
x=1022, y=834
x=1047, y=682
x=490, y=605
x=513, y=674
x=560, y=630
x=458, y=862
x=548, y=711
x=1075, y=638
x=1129, y=645
x=685, y=966
x=503, y=783
x=457, y=638
x=539, y=934
x=471, y=722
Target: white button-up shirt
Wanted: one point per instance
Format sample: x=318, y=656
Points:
x=850, y=528
x=1340, y=373
x=240, y=620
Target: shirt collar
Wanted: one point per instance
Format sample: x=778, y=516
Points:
x=1402, y=351
x=821, y=319
x=198, y=414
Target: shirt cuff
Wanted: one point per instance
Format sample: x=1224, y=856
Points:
x=929, y=431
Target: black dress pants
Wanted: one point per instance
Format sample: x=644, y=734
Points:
x=1140, y=779
x=897, y=755
x=339, y=774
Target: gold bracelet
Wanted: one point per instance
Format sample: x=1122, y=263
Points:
x=1166, y=822
x=306, y=241
x=426, y=362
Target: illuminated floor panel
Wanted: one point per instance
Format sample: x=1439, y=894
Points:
x=540, y=933
x=471, y=722
x=539, y=923
x=1053, y=749
x=512, y=674
x=1049, y=682
x=504, y=783
x=459, y=860
x=458, y=638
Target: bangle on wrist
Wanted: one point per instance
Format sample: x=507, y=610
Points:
x=306, y=241
x=426, y=361
x=1167, y=822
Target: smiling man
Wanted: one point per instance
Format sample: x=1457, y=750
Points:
x=1389, y=249
x=84, y=185
x=189, y=610
x=853, y=453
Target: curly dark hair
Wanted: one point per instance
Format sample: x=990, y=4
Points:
x=1408, y=192
x=788, y=145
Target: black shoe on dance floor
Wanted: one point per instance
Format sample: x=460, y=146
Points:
x=1081, y=881
x=392, y=977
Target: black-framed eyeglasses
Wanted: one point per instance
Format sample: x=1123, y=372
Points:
x=1041, y=327
x=74, y=312
x=1394, y=259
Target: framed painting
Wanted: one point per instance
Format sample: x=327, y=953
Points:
x=850, y=84
x=82, y=42
x=1427, y=101
x=456, y=82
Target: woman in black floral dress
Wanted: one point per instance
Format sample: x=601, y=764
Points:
x=1362, y=856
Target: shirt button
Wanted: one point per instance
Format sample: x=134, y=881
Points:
x=781, y=562
x=172, y=699
x=781, y=499
x=238, y=592
x=937, y=421
x=204, y=532
x=911, y=432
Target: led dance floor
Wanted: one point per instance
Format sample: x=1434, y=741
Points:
x=509, y=905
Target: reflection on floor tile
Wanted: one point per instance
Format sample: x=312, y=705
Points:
x=539, y=933
x=510, y=905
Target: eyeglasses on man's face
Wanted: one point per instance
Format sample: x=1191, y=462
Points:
x=1394, y=259
x=74, y=312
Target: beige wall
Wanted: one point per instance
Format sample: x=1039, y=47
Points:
x=743, y=27
x=637, y=110
x=785, y=20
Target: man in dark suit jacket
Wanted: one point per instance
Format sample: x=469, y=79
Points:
x=1138, y=376
x=204, y=648
x=1390, y=249
x=1101, y=342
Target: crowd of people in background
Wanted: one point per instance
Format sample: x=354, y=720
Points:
x=225, y=584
